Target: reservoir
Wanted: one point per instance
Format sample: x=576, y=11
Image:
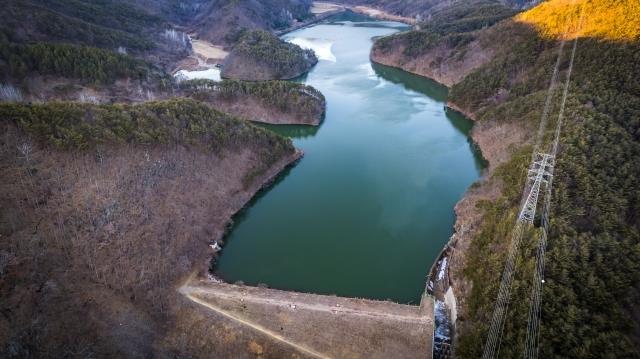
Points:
x=371, y=204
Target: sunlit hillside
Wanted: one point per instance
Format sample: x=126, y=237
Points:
x=609, y=19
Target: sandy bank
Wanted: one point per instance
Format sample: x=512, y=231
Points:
x=322, y=7
x=208, y=51
x=381, y=14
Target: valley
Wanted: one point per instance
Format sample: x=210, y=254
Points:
x=288, y=178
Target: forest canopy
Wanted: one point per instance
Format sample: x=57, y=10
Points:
x=604, y=20
x=99, y=66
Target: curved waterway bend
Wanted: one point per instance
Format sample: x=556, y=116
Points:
x=367, y=210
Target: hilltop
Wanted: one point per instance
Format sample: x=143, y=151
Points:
x=448, y=46
x=260, y=55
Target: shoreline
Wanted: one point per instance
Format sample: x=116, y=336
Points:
x=377, y=14
x=444, y=251
x=259, y=186
x=439, y=82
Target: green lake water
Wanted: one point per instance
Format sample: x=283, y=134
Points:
x=369, y=207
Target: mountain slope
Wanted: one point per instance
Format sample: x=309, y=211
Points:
x=590, y=297
x=223, y=21
x=447, y=47
x=104, y=209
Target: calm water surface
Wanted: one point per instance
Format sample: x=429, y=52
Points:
x=370, y=205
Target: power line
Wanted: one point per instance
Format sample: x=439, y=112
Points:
x=529, y=201
x=540, y=173
x=535, y=311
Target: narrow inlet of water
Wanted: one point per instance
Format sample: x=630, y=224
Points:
x=367, y=210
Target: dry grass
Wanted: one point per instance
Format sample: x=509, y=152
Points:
x=208, y=51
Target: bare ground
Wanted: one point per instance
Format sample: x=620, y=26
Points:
x=321, y=326
x=321, y=7
x=382, y=15
x=208, y=51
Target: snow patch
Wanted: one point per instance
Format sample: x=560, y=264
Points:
x=210, y=74
x=443, y=268
x=321, y=47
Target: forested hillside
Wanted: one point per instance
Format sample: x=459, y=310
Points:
x=121, y=51
x=83, y=126
x=155, y=30
x=104, y=208
x=448, y=46
x=590, y=296
x=260, y=55
x=115, y=25
x=18, y=61
x=224, y=21
x=265, y=101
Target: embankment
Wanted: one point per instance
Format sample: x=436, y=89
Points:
x=322, y=326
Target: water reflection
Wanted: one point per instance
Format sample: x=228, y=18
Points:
x=292, y=131
x=350, y=18
x=437, y=92
x=243, y=214
x=464, y=125
x=412, y=82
